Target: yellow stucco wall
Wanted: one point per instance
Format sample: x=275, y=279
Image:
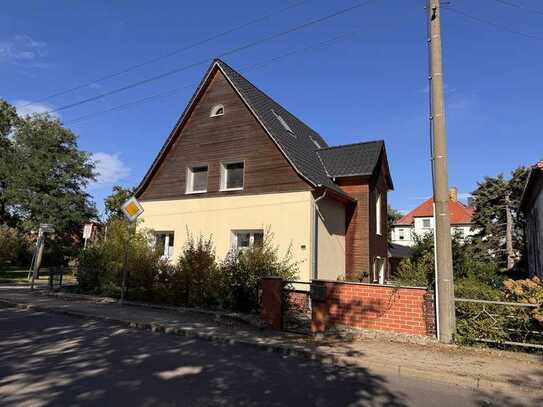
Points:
x=287, y=214
x=331, y=239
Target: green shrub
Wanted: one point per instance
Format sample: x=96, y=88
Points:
x=195, y=279
x=418, y=270
x=243, y=270
x=101, y=264
x=15, y=249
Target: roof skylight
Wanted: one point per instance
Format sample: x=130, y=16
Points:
x=282, y=121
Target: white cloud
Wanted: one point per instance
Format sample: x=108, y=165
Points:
x=110, y=168
x=22, y=49
x=25, y=108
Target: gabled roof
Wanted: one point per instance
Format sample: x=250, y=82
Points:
x=352, y=159
x=300, y=144
x=459, y=213
x=535, y=177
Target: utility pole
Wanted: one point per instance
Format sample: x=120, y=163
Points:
x=443, y=248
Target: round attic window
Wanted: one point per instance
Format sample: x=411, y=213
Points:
x=217, y=110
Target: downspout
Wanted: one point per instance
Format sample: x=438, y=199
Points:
x=315, y=237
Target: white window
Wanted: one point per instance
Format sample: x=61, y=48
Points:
x=378, y=215
x=460, y=232
x=232, y=175
x=164, y=244
x=426, y=223
x=243, y=239
x=217, y=110
x=401, y=234
x=378, y=272
x=196, y=179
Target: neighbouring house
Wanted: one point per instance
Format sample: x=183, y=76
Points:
x=421, y=221
x=238, y=163
x=531, y=204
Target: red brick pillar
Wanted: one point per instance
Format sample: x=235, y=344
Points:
x=319, y=308
x=272, y=302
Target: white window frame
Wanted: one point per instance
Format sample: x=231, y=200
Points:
x=429, y=223
x=378, y=215
x=224, y=175
x=189, y=187
x=215, y=109
x=234, y=237
x=401, y=234
x=166, y=250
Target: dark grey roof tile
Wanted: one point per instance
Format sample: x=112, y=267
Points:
x=351, y=159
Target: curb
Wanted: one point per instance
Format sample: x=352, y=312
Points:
x=218, y=315
x=472, y=382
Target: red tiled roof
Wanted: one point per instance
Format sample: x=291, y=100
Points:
x=459, y=213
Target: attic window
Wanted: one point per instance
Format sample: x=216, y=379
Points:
x=283, y=122
x=217, y=110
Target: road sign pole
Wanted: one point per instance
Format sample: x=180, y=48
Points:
x=131, y=209
x=125, y=266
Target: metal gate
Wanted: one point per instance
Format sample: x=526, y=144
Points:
x=296, y=307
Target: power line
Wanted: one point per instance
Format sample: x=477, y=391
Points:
x=169, y=54
x=492, y=24
x=177, y=89
x=208, y=60
x=520, y=6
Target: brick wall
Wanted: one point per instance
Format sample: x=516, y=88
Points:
x=298, y=300
x=371, y=306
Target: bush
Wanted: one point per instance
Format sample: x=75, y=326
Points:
x=15, y=249
x=243, y=270
x=419, y=269
x=195, y=280
x=529, y=291
x=101, y=264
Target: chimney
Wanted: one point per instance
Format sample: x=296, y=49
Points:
x=453, y=194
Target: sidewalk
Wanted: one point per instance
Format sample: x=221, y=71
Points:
x=485, y=370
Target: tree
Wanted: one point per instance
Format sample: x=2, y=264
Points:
x=8, y=119
x=493, y=199
x=51, y=178
x=114, y=201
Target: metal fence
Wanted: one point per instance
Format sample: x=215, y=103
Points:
x=499, y=322
x=296, y=307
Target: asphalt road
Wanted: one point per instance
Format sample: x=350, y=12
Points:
x=51, y=359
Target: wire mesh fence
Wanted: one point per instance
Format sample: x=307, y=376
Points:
x=499, y=323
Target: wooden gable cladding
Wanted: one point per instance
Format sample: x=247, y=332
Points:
x=205, y=140
x=362, y=243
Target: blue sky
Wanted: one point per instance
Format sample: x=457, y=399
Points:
x=368, y=85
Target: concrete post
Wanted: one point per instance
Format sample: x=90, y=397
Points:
x=272, y=302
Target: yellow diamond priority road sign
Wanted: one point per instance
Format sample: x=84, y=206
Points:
x=132, y=209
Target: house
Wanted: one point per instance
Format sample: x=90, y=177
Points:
x=531, y=204
x=421, y=221
x=238, y=163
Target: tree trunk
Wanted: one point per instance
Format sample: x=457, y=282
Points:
x=509, y=235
